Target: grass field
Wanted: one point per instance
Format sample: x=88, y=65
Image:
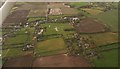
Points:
x=60, y=26
x=110, y=46
x=51, y=47
x=20, y=37
x=92, y=11
x=13, y=52
x=79, y=4
x=110, y=59
x=16, y=40
x=109, y=18
x=54, y=45
x=103, y=38
x=35, y=19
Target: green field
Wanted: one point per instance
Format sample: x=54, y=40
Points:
x=60, y=26
x=109, y=18
x=109, y=59
x=35, y=19
x=109, y=46
x=13, y=52
x=102, y=38
x=79, y=4
x=16, y=40
x=20, y=37
x=54, y=45
x=13, y=45
x=50, y=47
x=92, y=11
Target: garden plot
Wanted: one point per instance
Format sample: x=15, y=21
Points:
x=89, y=25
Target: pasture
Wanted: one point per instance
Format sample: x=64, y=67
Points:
x=110, y=18
x=53, y=45
x=20, y=37
x=60, y=28
x=102, y=38
x=50, y=47
x=12, y=52
x=13, y=45
x=109, y=59
x=92, y=11
x=78, y=4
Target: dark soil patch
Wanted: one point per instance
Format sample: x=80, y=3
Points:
x=61, y=61
x=89, y=25
x=16, y=17
x=25, y=61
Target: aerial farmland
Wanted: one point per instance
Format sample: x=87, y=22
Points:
x=58, y=34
